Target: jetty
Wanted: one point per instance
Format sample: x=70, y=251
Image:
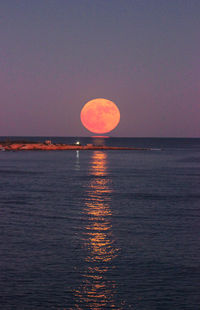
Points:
x=49, y=146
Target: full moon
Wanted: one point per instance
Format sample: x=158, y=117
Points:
x=100, y=115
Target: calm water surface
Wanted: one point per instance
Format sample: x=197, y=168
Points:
x=101, y=229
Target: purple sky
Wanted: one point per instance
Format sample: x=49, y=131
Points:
x=142, y=54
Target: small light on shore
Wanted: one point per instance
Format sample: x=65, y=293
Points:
x=47, y=142
x=77, y=143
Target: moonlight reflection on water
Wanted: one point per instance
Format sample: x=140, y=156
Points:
x=96, y=290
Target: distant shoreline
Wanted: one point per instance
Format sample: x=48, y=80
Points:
x=48, y=146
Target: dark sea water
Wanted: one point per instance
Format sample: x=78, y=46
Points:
x=101, y=229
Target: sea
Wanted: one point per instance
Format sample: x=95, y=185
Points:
x=114, y=229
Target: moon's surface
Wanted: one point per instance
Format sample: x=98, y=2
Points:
x=100, y=115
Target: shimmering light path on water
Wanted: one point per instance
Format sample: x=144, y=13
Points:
x=97, y=291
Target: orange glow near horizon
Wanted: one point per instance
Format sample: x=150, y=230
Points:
x=100, y=115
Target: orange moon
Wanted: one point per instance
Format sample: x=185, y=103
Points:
x=100, y=115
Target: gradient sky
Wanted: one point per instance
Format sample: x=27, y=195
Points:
x=55, y=55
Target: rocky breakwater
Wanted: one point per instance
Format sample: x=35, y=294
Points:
x=28, y=146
